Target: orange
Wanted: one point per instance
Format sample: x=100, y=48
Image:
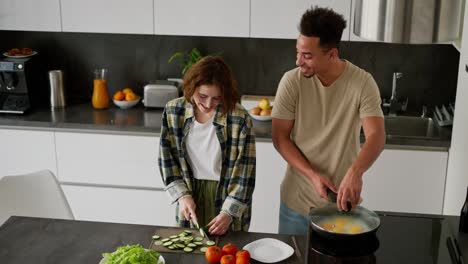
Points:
x=119, y=96
x=130, y=96
x=127, y=90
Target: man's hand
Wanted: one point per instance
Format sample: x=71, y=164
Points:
x=220, y=224
x=350, y=190
x=187, y=207
x=321, y=184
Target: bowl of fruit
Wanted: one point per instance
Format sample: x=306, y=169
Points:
x=262, y=111
x=126, y=98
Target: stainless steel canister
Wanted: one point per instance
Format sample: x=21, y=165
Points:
x=57, y=89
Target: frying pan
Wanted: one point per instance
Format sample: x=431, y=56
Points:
x=369, y=220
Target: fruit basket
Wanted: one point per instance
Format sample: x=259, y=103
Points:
x=259, y=107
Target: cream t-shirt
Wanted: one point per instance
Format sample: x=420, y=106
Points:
x=326, y=128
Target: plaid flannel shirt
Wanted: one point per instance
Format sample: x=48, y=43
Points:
x=237, y=180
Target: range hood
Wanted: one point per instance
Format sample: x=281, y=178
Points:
x=409, y=21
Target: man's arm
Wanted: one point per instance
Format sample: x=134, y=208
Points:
x=281, y=131
x=351, y=186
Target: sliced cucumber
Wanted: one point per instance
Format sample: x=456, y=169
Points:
x=165, y=240
x=198, y=243
x=188, y=249
x=191, y=245
x=203, y=249
x=175, y=240
x=180, y=246
x=158, y=243
x=188, y=231
x=210, y=243
x=199, y=239
x=189, y=238
x=168, y=243
x=171, y=247
x=174, y=236
x=183, y=234
x=156, y=237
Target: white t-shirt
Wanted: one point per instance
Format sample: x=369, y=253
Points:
x=204, y=151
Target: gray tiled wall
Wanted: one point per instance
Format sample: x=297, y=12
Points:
x=430, y=71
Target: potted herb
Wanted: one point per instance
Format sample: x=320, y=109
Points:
x=188, y=58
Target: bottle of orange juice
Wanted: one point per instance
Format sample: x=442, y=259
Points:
x=100, y=99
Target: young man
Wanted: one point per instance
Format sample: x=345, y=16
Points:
x=317, y=116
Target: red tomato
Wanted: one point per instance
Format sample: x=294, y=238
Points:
x=230, y=249
x=213, y=254
x=242, y=257
x=228, y=259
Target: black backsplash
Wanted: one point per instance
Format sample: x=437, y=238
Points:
x=429, y=71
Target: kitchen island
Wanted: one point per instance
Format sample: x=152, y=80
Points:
x=402, y=238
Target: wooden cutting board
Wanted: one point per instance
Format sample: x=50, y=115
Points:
x=166, y=232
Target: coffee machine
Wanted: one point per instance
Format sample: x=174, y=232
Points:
x=22, y=85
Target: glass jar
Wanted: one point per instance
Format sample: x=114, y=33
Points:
x=100, y=99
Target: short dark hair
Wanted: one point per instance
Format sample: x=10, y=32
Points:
x=323, y=23
x=212, y=70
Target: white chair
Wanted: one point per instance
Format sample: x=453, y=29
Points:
x=37, y=194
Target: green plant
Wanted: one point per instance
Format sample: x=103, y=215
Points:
x=188, y=58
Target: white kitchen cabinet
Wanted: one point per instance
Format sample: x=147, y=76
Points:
x=219, y=18
x=457, y=171
x=26, y=151
x=108, y=16
x=106, y=159
x=271, y=168
x=352, y=36
x=406, y=181
x=118, y=205
x=280, y=19
x=30, y=15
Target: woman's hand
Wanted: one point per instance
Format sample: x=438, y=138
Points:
x=187, y=207
x=220, y=224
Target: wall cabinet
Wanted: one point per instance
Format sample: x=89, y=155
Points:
x=406, y=181
x=120, y=205
x=108, y=16
x=30, y=15
x=108, y=159
x=280, y=19
x=220, y=18
x=26, y=151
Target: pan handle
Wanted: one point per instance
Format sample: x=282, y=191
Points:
x=332, y=196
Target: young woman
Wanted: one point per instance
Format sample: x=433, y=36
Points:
x=207, y=150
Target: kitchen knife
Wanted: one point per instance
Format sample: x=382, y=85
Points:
x=200, y=230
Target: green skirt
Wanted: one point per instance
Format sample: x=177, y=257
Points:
x=204, y=193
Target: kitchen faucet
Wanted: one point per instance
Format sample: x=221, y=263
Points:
x=394, y=105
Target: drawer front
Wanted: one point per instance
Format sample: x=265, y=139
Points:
x=120, y=205
x=108, y=159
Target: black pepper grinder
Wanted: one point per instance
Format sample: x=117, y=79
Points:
x=463, y=227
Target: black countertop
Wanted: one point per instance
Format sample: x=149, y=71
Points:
x=147, y=122
x=404, y=238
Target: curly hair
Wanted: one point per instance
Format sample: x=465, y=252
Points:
x=323, y=23
x=212, y=70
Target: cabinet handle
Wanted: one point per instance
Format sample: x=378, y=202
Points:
x=466, y=67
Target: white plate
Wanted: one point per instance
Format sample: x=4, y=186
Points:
x=260, y=118
x=269, y=250
x=19, y=56
x=161, y=260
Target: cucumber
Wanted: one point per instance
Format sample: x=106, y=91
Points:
x=183, y=234
x=188, y=249
x=180, y=246
x=165, y=240
x=158, y=243
x=191, y=245
x=175, y=240
x=174, y=236
x=199, y=239
x=189, y=238
x=198, y=243
x=188, y=231
x=168, y=243
x=210, y=243
x=156, y=237
x=171, y=247
x=203, y=249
